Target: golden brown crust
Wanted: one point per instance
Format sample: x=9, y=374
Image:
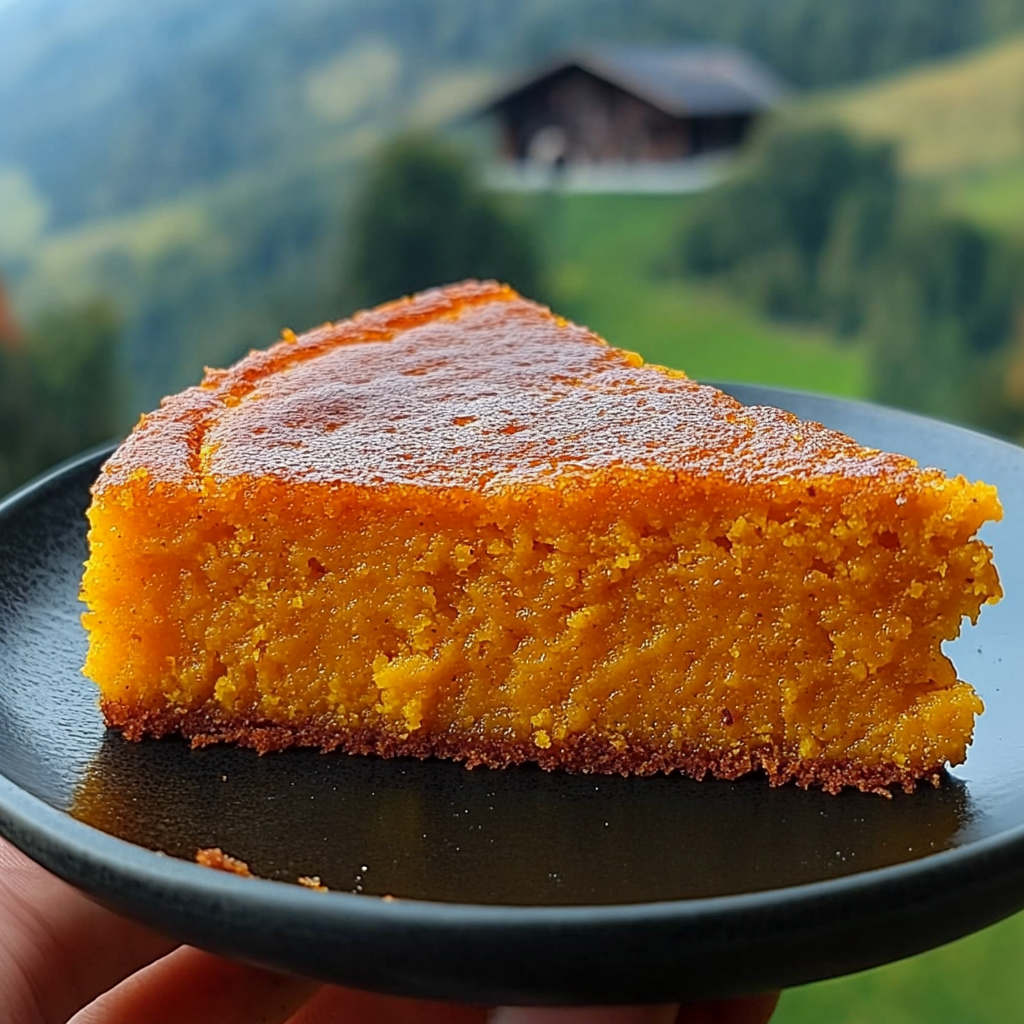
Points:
x=517, y=395
x=584, y=753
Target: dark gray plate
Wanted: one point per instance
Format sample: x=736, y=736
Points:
x=513, y=886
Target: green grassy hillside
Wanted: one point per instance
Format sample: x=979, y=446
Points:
x=992, y=198
x=959, y=125
x=608, y=255
x=977, y=980
x=953, y=117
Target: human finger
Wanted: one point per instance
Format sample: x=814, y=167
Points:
x=190, y=985
x=58, y=949
x=751, y=1010
x=665, y=1014
x=332, y=1004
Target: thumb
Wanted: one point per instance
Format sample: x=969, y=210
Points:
x=751, y=1010
x=585, y=1015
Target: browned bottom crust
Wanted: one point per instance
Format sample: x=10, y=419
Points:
x=583, y=753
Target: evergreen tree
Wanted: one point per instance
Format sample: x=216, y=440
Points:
x=423, y=219
x=59, y=391
x=800, y=227
x=72, y=356
x=941, y=322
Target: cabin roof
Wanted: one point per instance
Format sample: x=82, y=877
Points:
x=678, y=80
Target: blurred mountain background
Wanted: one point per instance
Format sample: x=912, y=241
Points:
x=192, y=163
x=112, y=105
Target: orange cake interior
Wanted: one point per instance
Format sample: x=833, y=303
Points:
x=461, y=526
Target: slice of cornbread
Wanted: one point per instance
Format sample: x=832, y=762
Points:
x=458, y=525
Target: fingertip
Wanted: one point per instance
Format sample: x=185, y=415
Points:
x=333, y=1004
x=191, y=986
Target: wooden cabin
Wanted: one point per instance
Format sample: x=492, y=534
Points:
x=634, y=104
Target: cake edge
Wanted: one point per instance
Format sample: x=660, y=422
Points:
x=582, y=753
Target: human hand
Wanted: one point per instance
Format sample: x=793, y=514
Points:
x=63, y=957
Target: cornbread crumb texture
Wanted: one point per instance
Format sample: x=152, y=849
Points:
x=214, y=857
x=460, y=526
